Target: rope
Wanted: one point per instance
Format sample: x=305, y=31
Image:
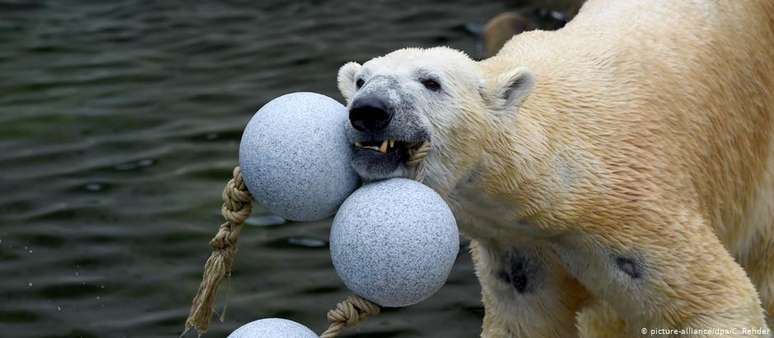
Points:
x=236, y=208
x=349, y=313
x=416, y=156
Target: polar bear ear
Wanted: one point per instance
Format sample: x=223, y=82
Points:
x=509, y=90
x=346, y=79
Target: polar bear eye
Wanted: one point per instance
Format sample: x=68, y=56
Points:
x=359, y=83
x=431, y=84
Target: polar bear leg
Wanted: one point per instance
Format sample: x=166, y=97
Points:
x=689, y=280
x=755, y=248
x=766, y=286
x=758, y=264
x=526, y=292
x=600, y=320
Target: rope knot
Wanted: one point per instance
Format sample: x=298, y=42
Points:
x=349, y=313
x=416, y=156
x=236, y=208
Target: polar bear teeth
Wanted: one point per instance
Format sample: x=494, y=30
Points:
x=383, y=147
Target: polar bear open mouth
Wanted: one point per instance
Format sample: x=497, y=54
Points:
x=376, y=158
x=389, y=145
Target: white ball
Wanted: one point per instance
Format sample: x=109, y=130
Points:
x=273, y=328
x=394, y=242
x=295, y=157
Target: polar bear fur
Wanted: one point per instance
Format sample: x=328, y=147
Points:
x=614, y=175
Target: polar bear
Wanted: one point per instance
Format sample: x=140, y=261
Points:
x=616, y=176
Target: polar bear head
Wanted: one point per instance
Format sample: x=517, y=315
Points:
x=438, y=95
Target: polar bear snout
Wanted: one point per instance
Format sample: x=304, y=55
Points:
x=384, y=129
x=370, y=114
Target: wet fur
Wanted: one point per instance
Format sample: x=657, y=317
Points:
x=630, y=155
x=654, y=141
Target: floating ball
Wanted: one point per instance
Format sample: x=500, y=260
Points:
x=394, y=242
x=295, y=157
x=274, y=328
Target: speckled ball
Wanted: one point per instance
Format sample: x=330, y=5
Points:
x=295, y=157
x=394, y=242
x=274, y=328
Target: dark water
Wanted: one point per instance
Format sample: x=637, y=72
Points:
x=119, y=125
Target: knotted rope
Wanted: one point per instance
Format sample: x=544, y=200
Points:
x=235, y=210
x=349, y=313
x=416, y=156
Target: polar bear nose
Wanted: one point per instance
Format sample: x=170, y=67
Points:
x=369, y=114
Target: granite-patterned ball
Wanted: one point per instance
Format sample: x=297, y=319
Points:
x=274, y=328
x=394, y=242
x=295, y=157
